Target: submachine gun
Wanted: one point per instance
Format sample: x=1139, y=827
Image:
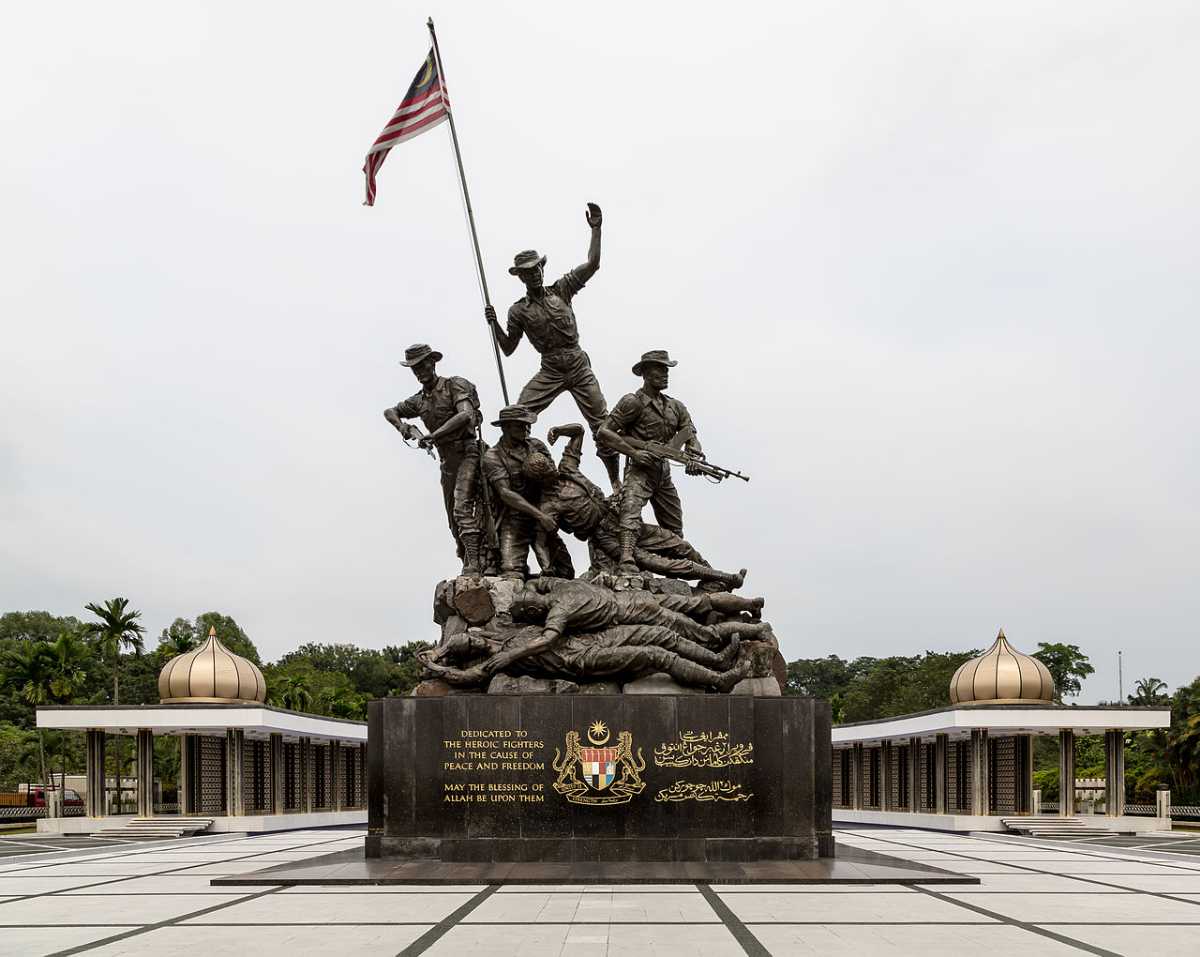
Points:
x=675, y=451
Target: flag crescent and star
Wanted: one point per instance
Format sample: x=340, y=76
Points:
x=424, y=106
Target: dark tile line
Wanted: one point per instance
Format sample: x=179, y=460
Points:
x=1084, y=879
x=750, y=944
x=119, y=878
x=1031, y=928
x=443, y=927
x=146, y=928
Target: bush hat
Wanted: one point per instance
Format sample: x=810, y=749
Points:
x=654, y=355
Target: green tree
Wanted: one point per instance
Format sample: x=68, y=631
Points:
x=1149, y=692
x=117, y=629
x=69, y=661
x=899, y=685
x=825, y=677
x=229, y=633
x=1068, y=666
x=35, y=626
x=178, y=638
x=293, y=692
x=29, y=670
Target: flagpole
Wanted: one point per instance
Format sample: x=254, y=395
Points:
x=462, y=179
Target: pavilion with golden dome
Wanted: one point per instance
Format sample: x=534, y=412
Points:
x=969, y=767
x=244, y=765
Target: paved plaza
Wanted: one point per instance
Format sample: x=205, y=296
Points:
x=1035, y=898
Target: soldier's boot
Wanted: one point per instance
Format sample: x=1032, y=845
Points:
x=628, y=566
x=472, y=567
x=689, y=673
x=728, y=604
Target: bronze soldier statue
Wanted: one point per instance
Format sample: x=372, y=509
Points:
x=616, y=652
x=648, y=415
x=449, y=408
x=581, y=508
x=546, y=316
x=521, y=523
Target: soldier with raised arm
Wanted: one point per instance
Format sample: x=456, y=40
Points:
x=648, y=415
x=546, y=316
x=449, y=408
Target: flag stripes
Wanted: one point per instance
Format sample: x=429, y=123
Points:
x=424, y=106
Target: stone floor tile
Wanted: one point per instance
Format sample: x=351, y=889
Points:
x=161, y=884
x=266, y=941
x=35, y=941
x=1032, y=883
x=146, y=909
x=906, y=940
x=868, y=908
x=1176, y=883
x=583, y=906
x=1086, y=907
x=1160, y=941
x=337, y=909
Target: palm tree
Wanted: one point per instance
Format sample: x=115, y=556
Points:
x=29, y=666
x=68, y=672
x=1149, y=692
x=294, y=693
x=117, y=629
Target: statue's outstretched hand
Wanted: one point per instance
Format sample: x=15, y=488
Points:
x=594, y=216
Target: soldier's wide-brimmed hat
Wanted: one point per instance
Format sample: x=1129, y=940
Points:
x=419, y=353
x=515, y=413
x=654, y=355
x=526, y=259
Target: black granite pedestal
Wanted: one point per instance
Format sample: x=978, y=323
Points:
x=575, y=779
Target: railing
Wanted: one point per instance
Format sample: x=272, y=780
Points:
x=33, y=813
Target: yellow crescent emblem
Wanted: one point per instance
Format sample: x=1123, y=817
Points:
x=428, y=74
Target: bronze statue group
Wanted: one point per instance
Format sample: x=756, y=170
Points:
x=506, y=500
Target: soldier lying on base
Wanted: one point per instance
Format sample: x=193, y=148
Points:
x=578, y=506
x=619, y=652
x=580, y=606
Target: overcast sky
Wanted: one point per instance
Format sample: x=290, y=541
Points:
x=929, y=270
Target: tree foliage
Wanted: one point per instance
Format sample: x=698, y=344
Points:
x=1068, y=666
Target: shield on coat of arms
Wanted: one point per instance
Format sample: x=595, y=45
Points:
x=599, y=766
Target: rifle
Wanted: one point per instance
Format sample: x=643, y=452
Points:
x=674, y=451
x=409, y=433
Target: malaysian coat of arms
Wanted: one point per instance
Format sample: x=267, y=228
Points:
x=600, y=773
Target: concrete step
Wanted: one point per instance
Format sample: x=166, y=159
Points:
x=146, y=828
x=1053, y=827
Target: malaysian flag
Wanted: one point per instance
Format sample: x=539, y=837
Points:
x=424, y=106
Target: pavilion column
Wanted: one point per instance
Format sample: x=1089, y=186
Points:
x=235, y=804
x=337, y=774
x=914, y=774
x=1114, y=773
x=885, y=767
x=856, y=772
x=940, y=747
x=1066, y=772
x=145, y=773
x=306, y=775
x=96, y=778
x=184, y=789
x=276, y=774
x=362, y=769
x=1026, y=771
x=980, y=789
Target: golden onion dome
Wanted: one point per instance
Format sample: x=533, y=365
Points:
x=1002, y=675
x=211, y=674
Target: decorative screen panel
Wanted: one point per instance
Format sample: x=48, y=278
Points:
x=211, y=790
